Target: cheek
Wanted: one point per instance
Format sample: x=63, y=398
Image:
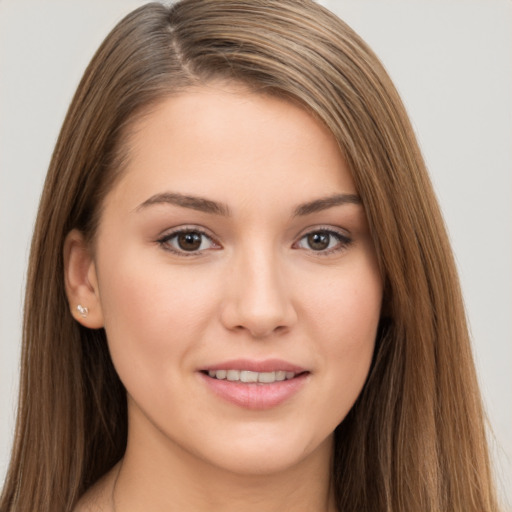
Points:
x=152, y=312
x=345, y=314
x=345, y=306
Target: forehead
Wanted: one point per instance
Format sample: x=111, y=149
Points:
x=224, y=141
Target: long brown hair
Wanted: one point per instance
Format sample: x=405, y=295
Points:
x=415, y=439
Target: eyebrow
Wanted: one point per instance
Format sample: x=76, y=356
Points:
x=208, y=206
x=193, y=202
x=326, y=202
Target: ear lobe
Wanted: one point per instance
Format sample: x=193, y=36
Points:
x=81, y=281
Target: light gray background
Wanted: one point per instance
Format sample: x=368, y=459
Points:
x=451, y=61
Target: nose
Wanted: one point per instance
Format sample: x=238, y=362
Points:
x=258, y=299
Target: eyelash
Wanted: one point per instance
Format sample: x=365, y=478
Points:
x=343, y=241
x=165, y=240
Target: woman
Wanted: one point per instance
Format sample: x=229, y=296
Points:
x=185, y=274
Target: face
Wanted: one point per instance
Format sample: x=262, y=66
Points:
x=237, y=281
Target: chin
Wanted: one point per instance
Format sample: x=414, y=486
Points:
x=266, y=456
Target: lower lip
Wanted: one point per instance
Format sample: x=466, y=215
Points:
x=255, y=396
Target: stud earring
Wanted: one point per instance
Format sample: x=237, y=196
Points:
x=83, y=310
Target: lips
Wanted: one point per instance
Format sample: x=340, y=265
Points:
x=268, y=365
x=255, y=385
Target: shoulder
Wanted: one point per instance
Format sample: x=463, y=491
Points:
x=99, y=497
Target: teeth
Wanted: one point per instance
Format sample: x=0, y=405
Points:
x=233, y=375
x=267, y=377
x=219, y=374
x=247, y=376
x=281, y=375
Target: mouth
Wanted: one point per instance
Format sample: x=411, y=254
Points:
x=252, y=377
x=255, y=385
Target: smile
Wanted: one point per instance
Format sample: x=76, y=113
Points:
x=255, y=385
x=251, y=377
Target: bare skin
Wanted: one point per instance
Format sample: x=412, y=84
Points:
x=242, y=496
x=99, y=497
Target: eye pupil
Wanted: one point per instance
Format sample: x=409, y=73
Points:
x=190, y=241
x=319, y=241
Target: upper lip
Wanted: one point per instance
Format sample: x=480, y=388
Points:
x=267, y=365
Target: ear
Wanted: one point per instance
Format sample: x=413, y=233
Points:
x=81, y=281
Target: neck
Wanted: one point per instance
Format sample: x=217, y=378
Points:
x=173, y=479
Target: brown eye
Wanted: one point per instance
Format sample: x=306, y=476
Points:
x=324, y=241
x=187, y=242
x=190, y=241
x=319, y=241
